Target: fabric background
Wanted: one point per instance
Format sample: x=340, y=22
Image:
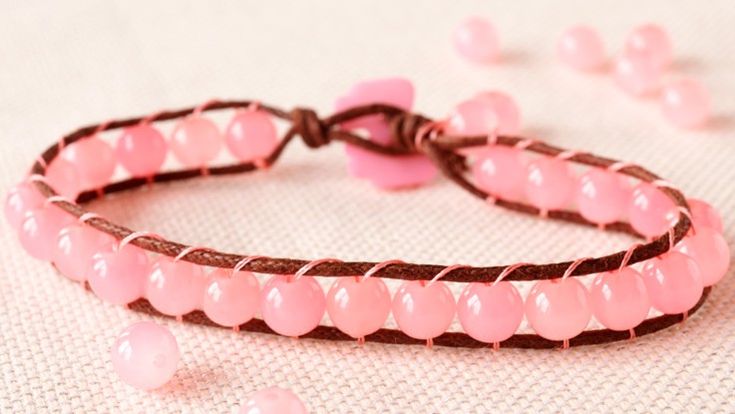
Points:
x=65, y=64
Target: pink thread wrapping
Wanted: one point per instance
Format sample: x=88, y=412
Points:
x=244, y=262
x=568, y=154
x=573, y=266
x=56, y=199
x=135, y=235
x=305, y=268
x=203, y=107
x=375, y=269
x=628, y=255
x=524, y=143
x=150, y=118
x=429, y=129
x=84, y=218
x=617, y=166
x=446, y=271
x=508, y=270
x=185, y=252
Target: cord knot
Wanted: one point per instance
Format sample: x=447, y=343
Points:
x=408, y=129
x=306, y=123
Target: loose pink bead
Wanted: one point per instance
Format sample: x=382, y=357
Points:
x=490, y=312
x=118, y=276
x=602, y=196
x=549, y=183
x=94, y=160
x=506, y=111
x=650, y=211
x=637, y=75
x=581, y=48
x=704, y=215
x=471, y=117
x=292, y=307
x=64, y=178
x=685, y=103
x=145, y=355
x=673, y=281
x=358, y=306
x=40, y=229
x=231, y=299
x=273, y=400
x=477, y=40
x=251, y=135
x=175, y=288
x=709, y=249
x=558, y=309
x=141, y=149
x=650, y=40
x=21, y=199
x=75, y=246
x=619, y=299
x=195, y=141
x=501, y=172
x=423, y=310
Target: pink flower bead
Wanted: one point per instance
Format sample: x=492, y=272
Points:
x=231, y=299
x=619, y=299
x=145, y=355
x=685, y=103
x=251, y=135
x=549, y=183
x=175, y=288
x=21, y=199
x=63, y=178
x=704, y=215
x=709, y=249
x=650, y=40
x=558, y=309
x=292, y=307
x=273, y=400
x=506, y=111
x=423, y=310
x=195, y=141
x=673, y=281
x=40, y=229
x=602, y=196
x=471, y=117
x=94, y=160
x=477, y=40
x=637, y=75
x=490, y=312
x=75, y=246
x=141, y=149
x=501, y=172
x=358, y=306
x=581, y=48
x=650, y=211
x=117, y=276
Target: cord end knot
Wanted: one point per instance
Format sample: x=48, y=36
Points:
x=310, y=127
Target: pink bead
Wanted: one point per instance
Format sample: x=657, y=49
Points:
x=195, y=141
x=118, y=276
x=423, y=310
x=40, y=229
x=490, y=312
x=471, y=117
x=273, y=400
x=477, y=40
x=358, y=306
x=637, y=75
x=650, y=40
x=581, y=48
x=558, y=309
x=602, y=196
x=650, y=211
x=22, y=198
x=231, y=299
x=673, y=281
x=63, y=178
x=145, y=355
x=75, y=246
x=292, y=307
x=619, y=299
x=141, y=149
x=549, y=183
x=501, y=172
x=251, y=135
x=709, y=249
x=685, y=103
x=506, y=111
x=704, y=215
x=94, y=160
x=175, y=288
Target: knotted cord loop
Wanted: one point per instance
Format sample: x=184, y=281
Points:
x=306, y=123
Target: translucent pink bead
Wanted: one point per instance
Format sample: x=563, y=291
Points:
x=141, y=149
x=558, y=309
x=619, y=299
x=637, y=75
x=549, y=183
x=673, y=281
x=471, y=117
x=650, y=211
x=251, y=135
x=685, y=103
x=506, y=111
x=650, y=40
x=175, y=288
x=709, y=249
x=273, y=400
x=501, y=172
x=40, y=229
x=195, y=141
x=231, y=299
x=22, y=198
x=358, y=306
x=94, y=161
x=423, y=310
x=477, y=40
x=75, y=246
x=602, y=196
x=118, y=276
x=63, y=177
x=704, y=215
x=292, y=307
x=581, y=48
x=490, y=312
x=145, y=355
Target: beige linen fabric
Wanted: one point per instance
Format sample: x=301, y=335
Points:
x=71, y=63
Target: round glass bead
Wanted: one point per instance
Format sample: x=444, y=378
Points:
x=63, y=178
x=477, y=40
x=637, y=75
x=231, y=299
x=251, y=135
x=651, y=211
x=423, y=310
x=581, y=48
x=471, y=117
x=506, y=111
x=40, y=229
x=558, y=309
x=145, y=355
x=358, y=306
x=549, y=183
x=619, y=299
x=710, y=250
x=175, y=288
x=602, y=196
x=685, y=103
x=117, y=276
x=141, y=149
x=292, y=307
x=673, y=281
x=704, y=215
x=75, y=246
x=490, y=312
x=501, y=172
x=195, y=141
x=273, y=400
x=21, y=199
x=93, y=159
x=650, y=40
